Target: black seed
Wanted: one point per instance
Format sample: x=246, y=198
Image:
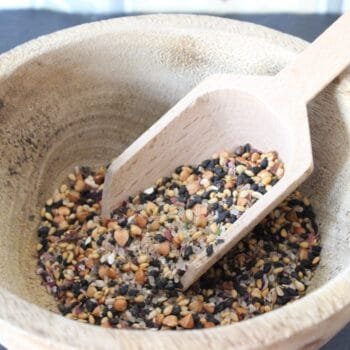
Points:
x=178, y=169
x=316, y=250
x=160, y=238
x=161, y=282
x=229, y=201
x=154, y=273
x=205, y=163
x=76, y=288
x=306, y=264
x=267, y=267
x=113, y=321
x=285, y=280
x=243, y=179
x=222, y=215
x=43, y=231
x=64, y=309
x=183, y=190
x=181, y=272
x=220, y=172
x=255, y=187
x=259, y=275
x=262, y=189
x=214, y=206
x=255, y=170
x=155, y=263
x=176, y=310
x=188, y=252
x=210, y=250
x=291, y=292
x=123, y=289
x=239, y=151
x=264, y=163
x=90, y=305
x=100, y=240
x=247, y=148
x=112, y=283
x=133, y=292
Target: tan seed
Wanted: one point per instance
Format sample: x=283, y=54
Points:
x=170, y=321
x=303, y=254
x=140, y=276
x=90, y=292
x=112, y=273
x=63, y=211
x=193, y=187
x=141, y=221
x=304, y=244
x=187, y=322
x=151, y=208
x=316, y=260
x=154, y=226
x=120, y=304
x=163, y=248
x=200, y=221
x=196, y=306
x=135, y=230
x=103, y=271
x=79, y=185
x=121, y=237
x=209, y=324
x=185, y=173
x=200, y=209
x=167, y=310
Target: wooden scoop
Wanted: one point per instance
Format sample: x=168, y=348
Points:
x=225, y=111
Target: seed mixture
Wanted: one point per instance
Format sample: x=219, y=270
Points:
x=125, y=271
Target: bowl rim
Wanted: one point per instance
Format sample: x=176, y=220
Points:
x=50, y=329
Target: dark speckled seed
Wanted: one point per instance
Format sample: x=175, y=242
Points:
x=178, y=169
x=188, y=252
x=210, y=250
x=113, y=321
x=256, y=169
x=264, y=163
x=285, y=280
x=160, y=238
x=90, y=305
x=43, y=231
x=258, y=275
x=247, y=148
x=123, y=289
x=243, y=179
x=267, y=267
x=176, y=310
x=291, y=292
x=133, y=292
x=306, y=264
x=239, y=151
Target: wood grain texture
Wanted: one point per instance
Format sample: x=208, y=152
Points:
x=83, y=95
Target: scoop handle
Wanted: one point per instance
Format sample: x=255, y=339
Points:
x=319, y=63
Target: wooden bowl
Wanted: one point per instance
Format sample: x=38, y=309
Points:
x=80, y=96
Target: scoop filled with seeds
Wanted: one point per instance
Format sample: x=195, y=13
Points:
x=125, y=271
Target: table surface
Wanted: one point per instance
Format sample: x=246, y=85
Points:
x=18, y=26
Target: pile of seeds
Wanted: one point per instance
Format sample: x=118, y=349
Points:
x=125, y=271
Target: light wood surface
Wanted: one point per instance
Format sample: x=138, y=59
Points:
x=224, y=112
x=81, y=96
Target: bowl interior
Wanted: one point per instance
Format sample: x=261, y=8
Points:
x=83, y=102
